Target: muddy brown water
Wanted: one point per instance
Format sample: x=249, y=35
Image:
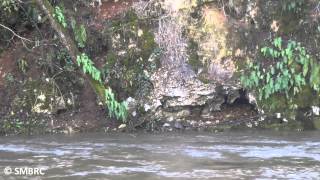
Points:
x=245, y=155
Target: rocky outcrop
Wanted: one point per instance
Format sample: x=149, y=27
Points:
x=178, y=91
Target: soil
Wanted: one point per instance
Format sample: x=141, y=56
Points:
x=111, y=9
x=7, y=64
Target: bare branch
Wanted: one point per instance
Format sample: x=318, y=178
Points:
x=15, y=34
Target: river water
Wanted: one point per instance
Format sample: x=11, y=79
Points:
x=232, y=155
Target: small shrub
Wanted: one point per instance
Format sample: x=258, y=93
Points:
x=9, y=6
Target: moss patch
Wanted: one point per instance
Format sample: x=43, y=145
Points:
x=317, y=123
x=194, y=59
x=133, y=56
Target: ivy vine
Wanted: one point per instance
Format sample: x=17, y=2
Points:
x=291, y=68
x=80, y=34
x=59, y=15
x=116, y=109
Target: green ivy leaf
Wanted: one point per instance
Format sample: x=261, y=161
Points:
x=277, y=42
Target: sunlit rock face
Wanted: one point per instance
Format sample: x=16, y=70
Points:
x=178, y=90
x=179, y=87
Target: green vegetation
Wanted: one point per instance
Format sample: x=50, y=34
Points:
x=119, y=110
x=15, y=125
x=59, y=15
x=80, y=33
x=287, y=70
x=194, y=59
x=129, y=72
x=23, y=65
x=9, y=5
x=9, y=78
x=88, y=67
x=292, y=5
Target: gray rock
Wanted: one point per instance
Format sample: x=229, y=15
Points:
x=178, y=125
x=178, y=92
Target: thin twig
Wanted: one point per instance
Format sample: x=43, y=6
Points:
x=15, y=34
x=23, y=39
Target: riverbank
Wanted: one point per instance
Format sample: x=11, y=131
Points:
x=179, y=66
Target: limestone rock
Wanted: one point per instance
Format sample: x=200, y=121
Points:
x=177, y=91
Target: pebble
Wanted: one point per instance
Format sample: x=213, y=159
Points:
x=166, y=125
x=122, y=126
